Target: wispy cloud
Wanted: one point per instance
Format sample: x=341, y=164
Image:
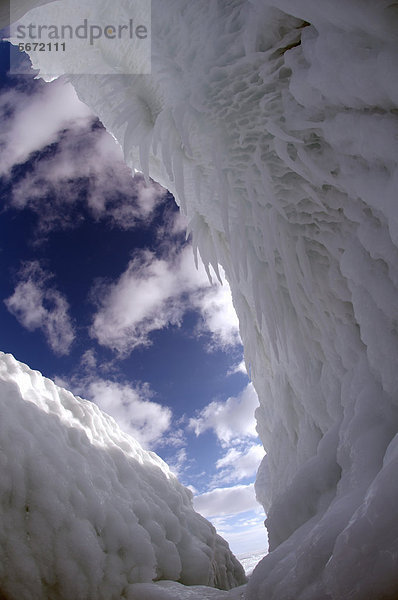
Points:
x=237, y=515
x=132, y=404
x=218, y=316
x=72, y=167
x=238, y=464
x=143, y=299
x=232, y=421
x=71, y=164
x=37, y=304
x=32, y=120
x=132, y=408
x=245, y=532
x=154, y=293
x=94, y=179
x=227, y=501
x=180, y=463
x=238, y=368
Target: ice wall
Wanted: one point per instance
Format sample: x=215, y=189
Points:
x=274, y=123
x=85, y=511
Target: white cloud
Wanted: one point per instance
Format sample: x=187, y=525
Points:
x=192, y=488
x=227, y=501
x=218, y=315
x=239, y=368
x=83, y=169
x=175, y=438
x=88, y=361
x=239, y=464
x=132, y=409
x=234, y=424
x=37, y=119
x=214, y=302
x=232, y=421
x=179, y=463
x=141, y=301
x=38, y=305
x=237, y=515
x=154, y=293
x=245, y=533
x=94, y=177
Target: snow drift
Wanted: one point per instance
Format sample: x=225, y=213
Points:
x=274, y=123
x=85, y=511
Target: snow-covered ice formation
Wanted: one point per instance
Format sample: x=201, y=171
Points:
x=274, y=123
x=85, y=511
x=250, y=561
x=170, y=590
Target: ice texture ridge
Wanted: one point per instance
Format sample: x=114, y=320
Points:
x=86, y=512
x=274, y=123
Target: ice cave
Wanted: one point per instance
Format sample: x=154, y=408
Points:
x=275, y=125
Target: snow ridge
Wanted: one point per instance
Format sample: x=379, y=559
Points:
x=86, y=511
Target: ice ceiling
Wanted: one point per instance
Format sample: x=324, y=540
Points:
x=274, y=124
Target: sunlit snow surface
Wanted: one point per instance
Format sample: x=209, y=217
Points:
x=85, y=511
x=274, y=123
x=249, y=561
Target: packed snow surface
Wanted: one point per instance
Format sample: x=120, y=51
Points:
x=275, y=124
x=170, y=590
x=249, y=561
x=85, y=511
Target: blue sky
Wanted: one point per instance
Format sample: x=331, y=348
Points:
x=100, y=293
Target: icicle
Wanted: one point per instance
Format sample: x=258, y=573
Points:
x=144, y=159
x=178, y=170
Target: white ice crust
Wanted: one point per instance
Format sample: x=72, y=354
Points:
x=85, y=511
x=274, y=123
